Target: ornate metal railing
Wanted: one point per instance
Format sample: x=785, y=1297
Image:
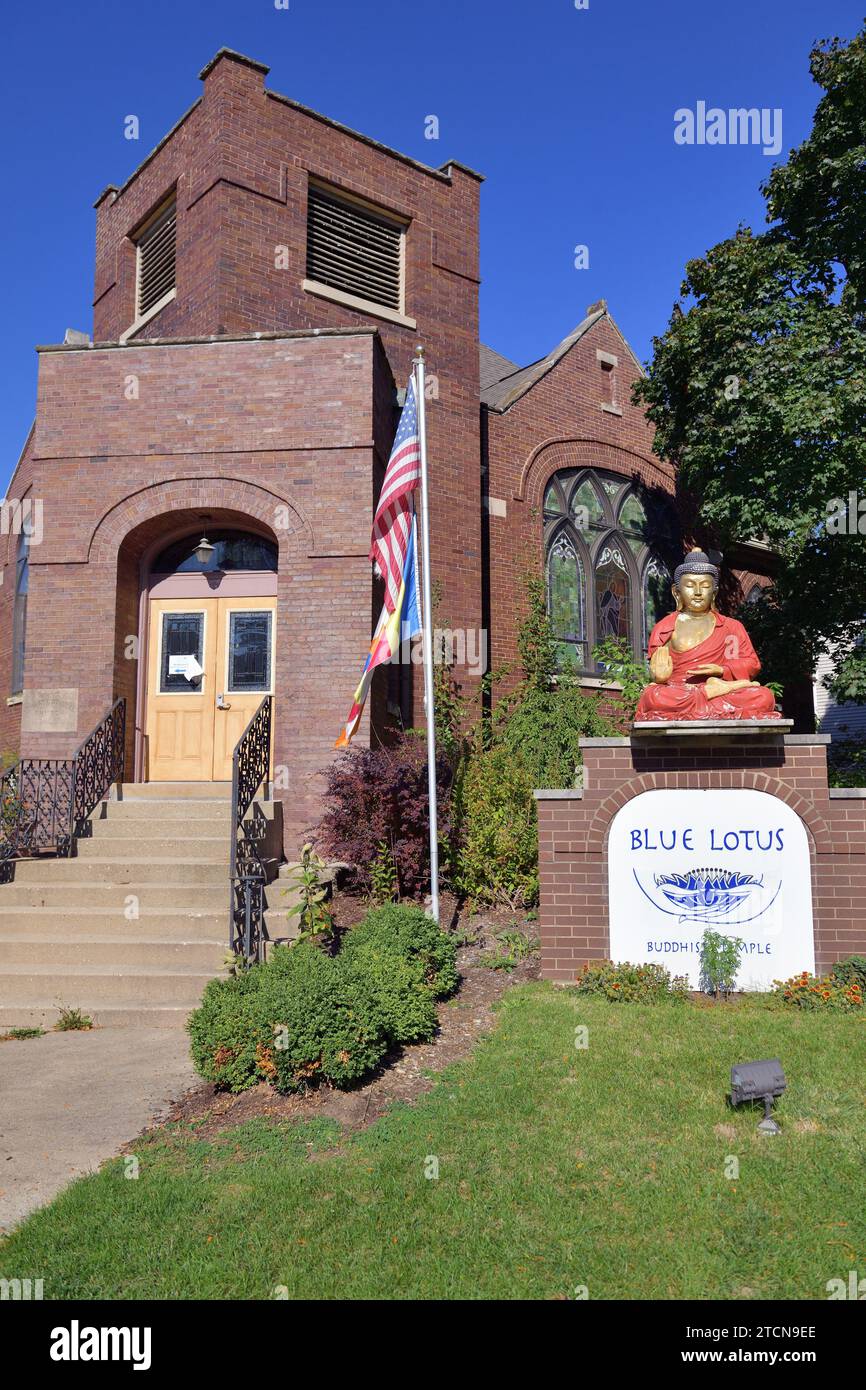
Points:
x=251, y=764
x=98, y=762
x=46, y=803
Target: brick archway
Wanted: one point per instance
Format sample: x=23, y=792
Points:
x=736, y=779
x=559, y=453
x=227, y=495
x=130, y=533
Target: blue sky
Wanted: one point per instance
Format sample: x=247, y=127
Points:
x=569, y=113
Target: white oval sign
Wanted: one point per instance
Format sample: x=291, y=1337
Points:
x=736, y=862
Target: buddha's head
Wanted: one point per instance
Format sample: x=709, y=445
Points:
x=696, y=582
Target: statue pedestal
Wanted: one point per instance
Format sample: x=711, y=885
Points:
x=725, y=728
x=726, y=824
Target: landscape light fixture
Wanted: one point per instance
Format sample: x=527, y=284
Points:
x=203, y=551
x=759, y=1081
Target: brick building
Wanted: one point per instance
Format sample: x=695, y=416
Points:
x=261, y=283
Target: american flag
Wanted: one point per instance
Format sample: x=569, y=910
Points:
x=392, y=523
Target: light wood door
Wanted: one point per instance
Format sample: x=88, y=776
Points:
x=180, y=706
x=245, y=647
x=210, y=664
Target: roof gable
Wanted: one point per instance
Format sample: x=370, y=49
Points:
x=501, y=393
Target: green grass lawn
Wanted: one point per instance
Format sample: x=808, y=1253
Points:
x=557, y=1168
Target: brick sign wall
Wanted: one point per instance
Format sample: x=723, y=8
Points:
x=574, y=825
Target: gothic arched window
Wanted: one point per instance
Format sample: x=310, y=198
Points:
x=19, y=612
x=609, y=548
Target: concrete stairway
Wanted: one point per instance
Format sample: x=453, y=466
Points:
x=132, y=928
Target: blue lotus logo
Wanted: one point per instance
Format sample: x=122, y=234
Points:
x=707, y=895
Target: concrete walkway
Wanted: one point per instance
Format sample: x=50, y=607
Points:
x=68, y=1101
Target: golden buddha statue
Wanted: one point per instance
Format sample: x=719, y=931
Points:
x=702, y=663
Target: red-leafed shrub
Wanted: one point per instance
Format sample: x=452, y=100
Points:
x=378, y=797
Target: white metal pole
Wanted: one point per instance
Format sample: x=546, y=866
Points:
x=427, y=635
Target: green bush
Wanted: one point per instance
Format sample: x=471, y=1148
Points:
x=306, y=1016
x=846, y=763
x=224, y=1040
x=404, y=1002
x=851, y=971
x=544, y=728
x=412, y=934
x=496, y=859
x=624, y=983
x=327, y=1022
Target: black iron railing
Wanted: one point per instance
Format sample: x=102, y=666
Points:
x=98, y=762
x=251, y=770
x=46, y=803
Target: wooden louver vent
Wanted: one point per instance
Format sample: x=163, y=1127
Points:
x=156, y=254
x=354, y=250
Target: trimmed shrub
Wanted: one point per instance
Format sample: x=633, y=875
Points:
x=405, y=1004
x=408, y=932
x=325, y=1022
x=624, y=983
x=224, y=1039
x=306, y=1016
x=376, y=795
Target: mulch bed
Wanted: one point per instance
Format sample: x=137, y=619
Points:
x=407, y=1072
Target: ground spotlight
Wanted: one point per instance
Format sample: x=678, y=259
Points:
x=759, y=1081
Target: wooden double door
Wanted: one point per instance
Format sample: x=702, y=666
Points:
x=210, y=665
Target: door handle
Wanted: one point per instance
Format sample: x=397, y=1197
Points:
x=221, y=702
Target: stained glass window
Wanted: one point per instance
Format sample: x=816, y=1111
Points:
x=566, y=596
x=612, y=596
x=19, y=612
x=635, y=527
x=586, y=508
x=605, y=538
x=656, y=594
x=552, y=501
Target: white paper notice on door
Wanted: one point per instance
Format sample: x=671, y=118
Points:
x=184, y=666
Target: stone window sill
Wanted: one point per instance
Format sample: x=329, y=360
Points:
x=352, y=301
x=152, y=312
x=16, y=699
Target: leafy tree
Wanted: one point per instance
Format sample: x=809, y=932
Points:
x=758, y=387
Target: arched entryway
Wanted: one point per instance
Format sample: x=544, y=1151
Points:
x=207, y=648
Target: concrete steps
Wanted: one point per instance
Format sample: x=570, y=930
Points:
x=132, y=928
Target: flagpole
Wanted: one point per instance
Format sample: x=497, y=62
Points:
x=427, y=636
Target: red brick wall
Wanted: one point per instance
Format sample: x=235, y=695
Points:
x=239, y=430
x=20, y=489
x=573, y=829
x=241, y=161
x=559, y=423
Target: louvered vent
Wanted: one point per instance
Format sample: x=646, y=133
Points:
x=354, y=250
x=156, y=249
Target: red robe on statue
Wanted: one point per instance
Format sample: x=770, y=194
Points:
x=683, y=697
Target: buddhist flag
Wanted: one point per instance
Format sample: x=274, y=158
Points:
x=392, y=627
